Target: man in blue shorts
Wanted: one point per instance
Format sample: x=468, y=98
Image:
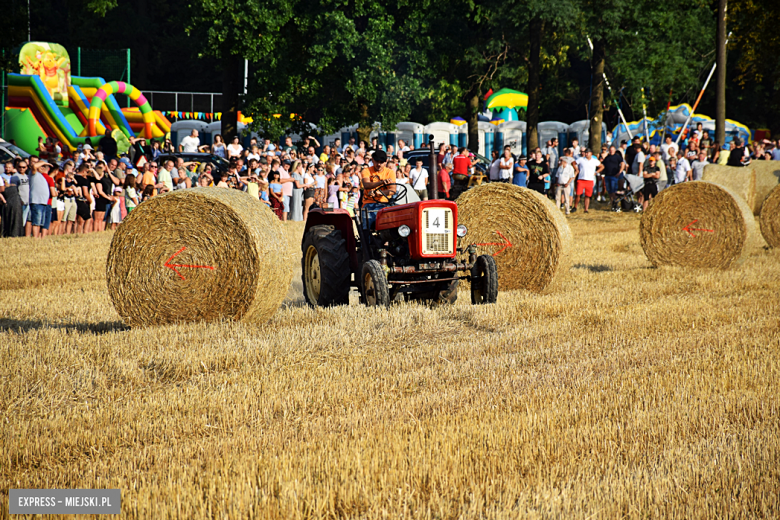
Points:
x=614, y=165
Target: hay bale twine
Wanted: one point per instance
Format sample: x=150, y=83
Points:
x=741, y=181
x=767, y=178
x=197, y=255
x=498, y=214
x=770, y=218
x=698, y=224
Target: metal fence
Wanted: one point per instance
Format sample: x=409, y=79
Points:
x=184, y=101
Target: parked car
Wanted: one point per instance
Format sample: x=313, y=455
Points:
x=9, y=151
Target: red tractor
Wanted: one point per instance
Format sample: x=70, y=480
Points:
x=406, y=247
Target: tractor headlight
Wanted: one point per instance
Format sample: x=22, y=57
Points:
x=404, y=231
x=462, y=230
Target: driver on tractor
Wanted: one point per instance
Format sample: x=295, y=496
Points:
x=374, y=178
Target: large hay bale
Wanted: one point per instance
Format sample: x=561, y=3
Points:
x=498, y=214
x=770, y=218
x=698, y=224
x=767, y=178
x=741, y=181
x=198, y=254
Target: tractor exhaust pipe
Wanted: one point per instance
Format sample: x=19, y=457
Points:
x=434, y=194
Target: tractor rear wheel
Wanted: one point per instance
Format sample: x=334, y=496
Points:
x=325, y=266
x=374, y=285
x=484, y=280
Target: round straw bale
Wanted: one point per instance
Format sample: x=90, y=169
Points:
x=523, y=230
x=770, y=218
x=698, y=224
x=767, y=177
x=741, y=181
x=196, y=255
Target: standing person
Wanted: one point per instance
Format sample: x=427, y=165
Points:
x=539, y=172
x=419, y=177
x=665, y=148
x=190, y=143
x=234, y=149
x=563, y=182
x=614, y=165
x=108, y=145
x=651, y=174
x=156, y=150
x=165, y=177
x=320, y=186
x=308, y=191
x=588, y=166
x=22, y=181
x=275, y=193
x=739, y=156
x=444, y=181
x=83, y=199
x=218, y=147
x=520, y=177
x=402, y=174
x=287, y=187
x=638, y=160
x=461, y=163
x=506, y=165
x=131, y=196
x=13, y=224
x=296, y=200
x=663, y=180
x=40, y=198
x=697, y=167
x=682, y=172
x=68, y=187
x=104, y=200
x=495, y=167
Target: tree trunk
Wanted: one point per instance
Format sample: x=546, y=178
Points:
x=472, y=109
x=720, y=81
x=364, y=125
x=141, y=49
x=597, y=101
x=535, y=30
x=231, y=87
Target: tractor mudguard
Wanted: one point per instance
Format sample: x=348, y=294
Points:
x=340, y=219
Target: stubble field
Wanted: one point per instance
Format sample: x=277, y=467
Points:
x=630, y=392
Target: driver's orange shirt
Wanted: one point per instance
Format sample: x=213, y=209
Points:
x=373, y=175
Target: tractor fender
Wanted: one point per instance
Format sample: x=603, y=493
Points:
x=340, y=219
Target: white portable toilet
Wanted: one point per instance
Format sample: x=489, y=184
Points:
x=486, y=131
x=513, y=132
x=181, y=129
x=582, y=131
x=347, y=132
x=441, y=132
x=411, y=133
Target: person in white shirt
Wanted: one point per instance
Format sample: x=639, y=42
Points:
x=564, y=179
x=666, y=147
x=419, y=179
x=506, y=164
x=190, y=143
x=697, y=167
x=575, y=148
x=402, y=146
x=588, y=166
x=495, y=167
x=639, y=161
x=683, y=171
x=234, y=148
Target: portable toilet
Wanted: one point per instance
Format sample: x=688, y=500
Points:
x=549, y=130
x=215, y=128
x=486, y=131
x=581, y=130
x=181, y=129
x=411, y=133
x=442, y=132
x=330, y=139
x=463, y=136
x=512, y=133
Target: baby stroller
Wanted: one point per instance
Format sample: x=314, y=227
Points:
x=628, y=186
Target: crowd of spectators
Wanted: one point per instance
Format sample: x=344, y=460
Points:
x=93, y=189
x=575, y=177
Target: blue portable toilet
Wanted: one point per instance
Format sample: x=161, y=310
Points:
x=463, y=136
x=411, y=133
x=486, y=134
x=512, y=133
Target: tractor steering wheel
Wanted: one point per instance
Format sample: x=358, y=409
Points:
x=399, y=194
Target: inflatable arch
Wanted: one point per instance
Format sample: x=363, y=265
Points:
x=120, y=87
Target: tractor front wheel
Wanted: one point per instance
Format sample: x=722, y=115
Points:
x=374, y=284
x=325, y=266
x=484, y=280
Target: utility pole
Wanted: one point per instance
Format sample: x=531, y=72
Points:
x=720, y=81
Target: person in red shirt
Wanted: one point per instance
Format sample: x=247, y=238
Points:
x=444, y=181
x=462, y=163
